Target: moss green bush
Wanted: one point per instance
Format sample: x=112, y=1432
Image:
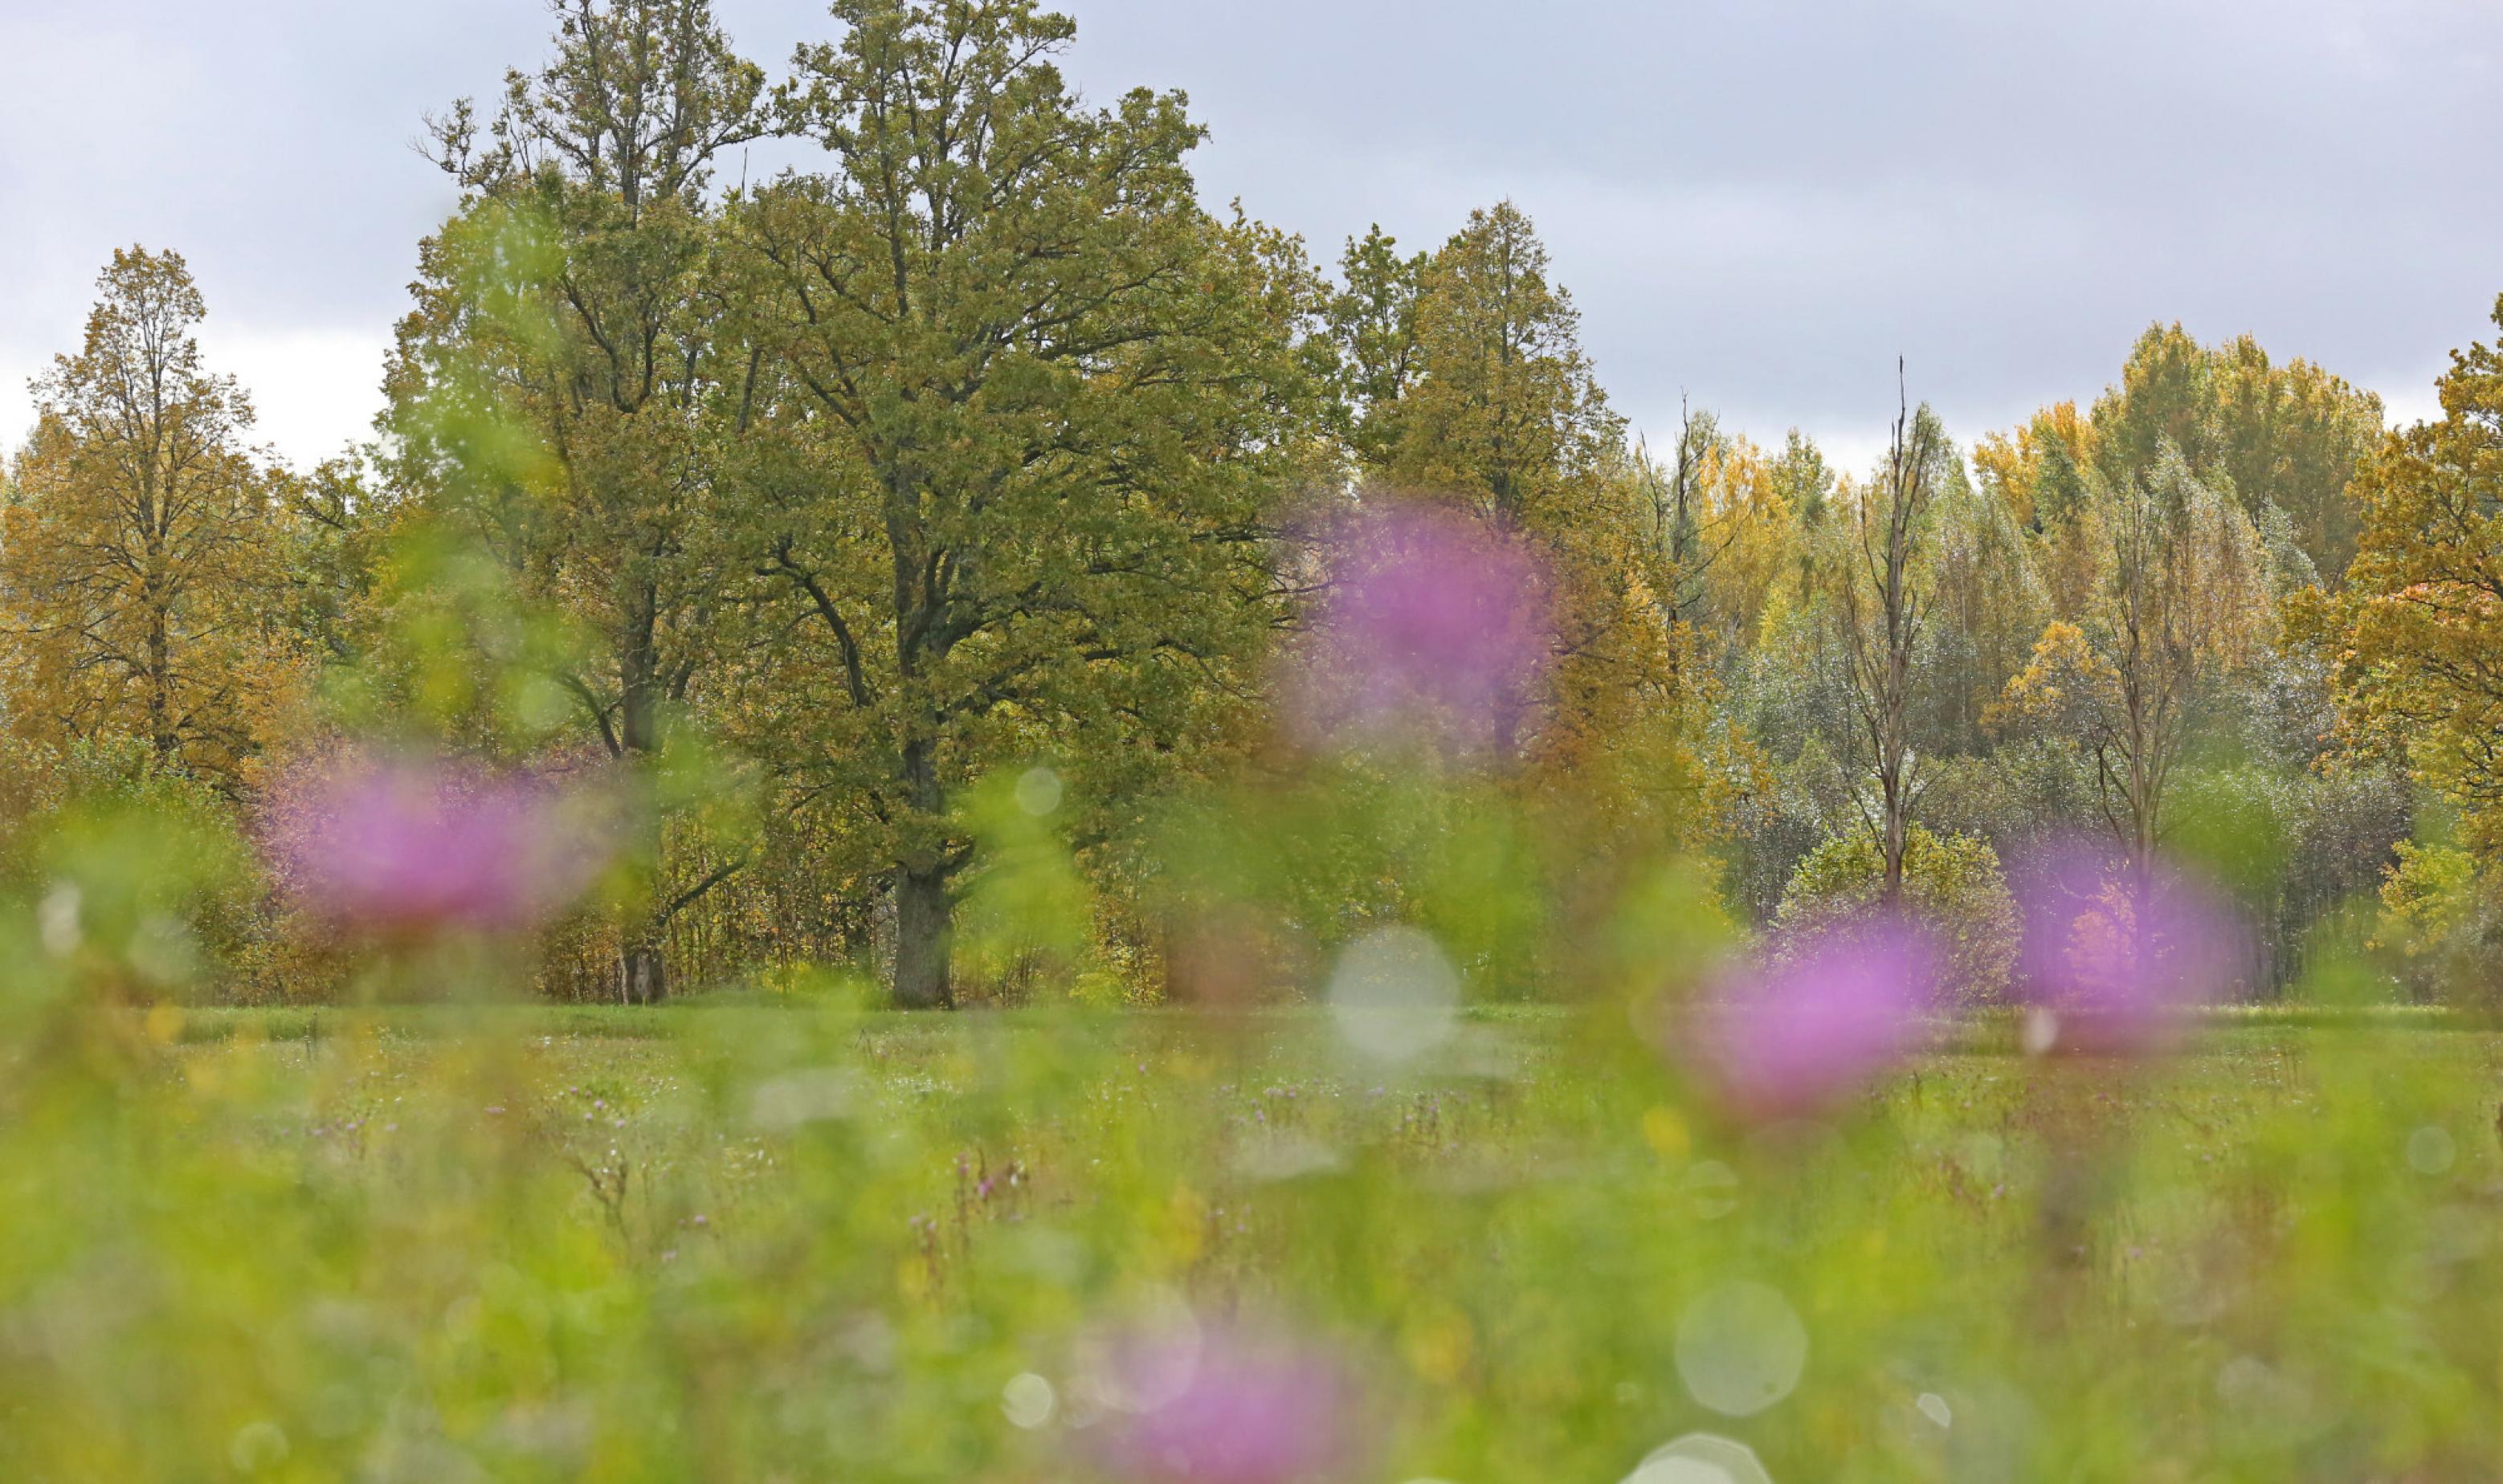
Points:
x=1952, y=884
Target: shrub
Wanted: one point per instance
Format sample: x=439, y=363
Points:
x=2441, y=919
x=1952, y=885
x=141, y=863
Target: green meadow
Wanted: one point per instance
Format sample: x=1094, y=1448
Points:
x=724, y=1240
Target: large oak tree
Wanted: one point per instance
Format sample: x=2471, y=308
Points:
x=1034, y=412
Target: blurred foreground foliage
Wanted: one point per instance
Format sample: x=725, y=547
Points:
x=809, y=1241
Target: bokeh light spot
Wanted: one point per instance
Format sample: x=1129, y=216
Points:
x=1038, y=791
x=1394, y=994
x=1029, y=1401
x=57, y=920
x=1741, y=1348
x=1711, y=1189
x=1701, y=1458
x=2431, y=1150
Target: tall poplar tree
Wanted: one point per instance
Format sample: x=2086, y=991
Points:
x=1491, y=399
x=2277, y=437
x=1469, y=386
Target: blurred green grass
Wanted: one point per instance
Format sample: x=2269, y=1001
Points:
x=746, y=1238
x=1987, y=1031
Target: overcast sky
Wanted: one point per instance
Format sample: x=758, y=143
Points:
x=1758, y=203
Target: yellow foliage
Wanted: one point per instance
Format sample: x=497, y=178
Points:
x=2420, y=667
x=141, y=581
x=2014, y=466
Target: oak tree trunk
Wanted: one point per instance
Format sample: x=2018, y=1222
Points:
x=643, y=974
x=924, y=929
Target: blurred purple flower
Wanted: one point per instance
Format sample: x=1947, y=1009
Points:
x=417, y=846
x=1221, y=1405
x=1436, y=624
x=2119, y=951
x=1798, y=1031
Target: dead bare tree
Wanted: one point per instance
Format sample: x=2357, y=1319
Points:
x=1882, y=607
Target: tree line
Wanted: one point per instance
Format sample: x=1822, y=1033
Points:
x=799, y=508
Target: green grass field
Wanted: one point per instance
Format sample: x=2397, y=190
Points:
x=719, y=1241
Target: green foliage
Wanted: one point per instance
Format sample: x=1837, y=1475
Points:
x=2297, y=850
x=2284, y=438
x=449, y=652
x=2178, y=621
x=1298, y=870
x=1028, y=913
x=1952, y=885
x=1991, y=604
x=145, y=886
x=910, y=550
x=2230, y=823
x=792, y=510
x=2442, y=916
x=1494, y=400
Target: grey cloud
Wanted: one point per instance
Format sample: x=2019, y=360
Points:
x=1758, y=202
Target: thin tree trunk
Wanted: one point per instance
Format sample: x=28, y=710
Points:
x=642, y=968
x=1883, y=676
x=160, y=686
x=1897, y=837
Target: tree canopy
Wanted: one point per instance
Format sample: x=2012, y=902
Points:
x=928, y=523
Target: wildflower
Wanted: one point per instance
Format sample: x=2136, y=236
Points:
x=1435, y=625
x=1219, y=1405
x=419, y=847
x=1796, y=1032
x=2120, y=952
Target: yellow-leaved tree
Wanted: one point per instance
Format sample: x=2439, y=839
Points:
x=141, y=547
x=2423, y=666
x=2184, y=606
